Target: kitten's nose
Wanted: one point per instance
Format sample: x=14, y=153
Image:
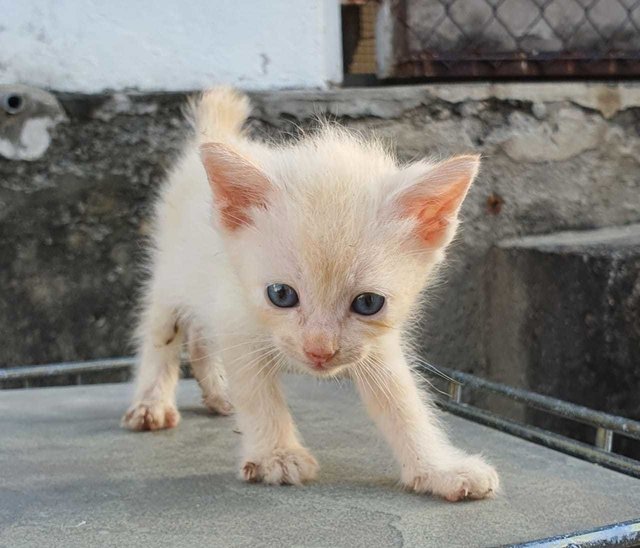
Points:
x=319, y=355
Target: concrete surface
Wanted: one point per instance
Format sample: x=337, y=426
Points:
x=71, y=477
x=565, y=321
x=72, y=222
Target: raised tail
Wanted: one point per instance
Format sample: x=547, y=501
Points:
x=219, y=113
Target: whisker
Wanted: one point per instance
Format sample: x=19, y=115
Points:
x=376, y=369
x=212, y=340
x=362, y=378
x=245, y=343
x=278, y=366
x=262, y=353
x=217, y=353
x=266, y=351
x=434, y=369
x=433, y=387
x=262, y=381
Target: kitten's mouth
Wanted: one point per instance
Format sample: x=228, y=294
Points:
x=323, y=365
x=326, y=369
x=323, y=370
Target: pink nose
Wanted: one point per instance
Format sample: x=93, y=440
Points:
x=319, y=356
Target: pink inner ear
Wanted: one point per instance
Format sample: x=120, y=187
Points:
x=236, y=183
x=436, y=198
x=434, y=214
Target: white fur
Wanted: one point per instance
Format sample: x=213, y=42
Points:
x=339, y=218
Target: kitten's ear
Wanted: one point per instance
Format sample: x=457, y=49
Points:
x=435, y=195
x=237, y=184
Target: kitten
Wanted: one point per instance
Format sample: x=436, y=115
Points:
x=310, y=256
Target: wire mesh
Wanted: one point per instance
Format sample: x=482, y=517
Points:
x=515, y=37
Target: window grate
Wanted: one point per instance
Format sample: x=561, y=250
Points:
x=508, y=38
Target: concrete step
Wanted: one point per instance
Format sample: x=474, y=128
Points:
x=564, y=320
x=71, y=477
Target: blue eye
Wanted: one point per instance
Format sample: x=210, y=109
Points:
x=282, y=295
x=367, y=304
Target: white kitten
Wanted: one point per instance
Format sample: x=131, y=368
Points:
x=311, y=256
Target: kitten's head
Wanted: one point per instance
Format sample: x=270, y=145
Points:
x=332, y=241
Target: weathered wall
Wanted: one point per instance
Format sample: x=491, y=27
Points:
x=72, y=223
x=90, y=46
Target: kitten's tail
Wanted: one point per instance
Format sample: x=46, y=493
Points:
x=218, y=113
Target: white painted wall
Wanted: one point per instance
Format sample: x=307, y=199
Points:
x=170, y=45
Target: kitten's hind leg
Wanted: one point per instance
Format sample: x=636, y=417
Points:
x=154, y=402
x=209, y=372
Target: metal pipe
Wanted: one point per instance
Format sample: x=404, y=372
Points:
x=626, y=533
x=579, y=413
x=24, y=375
x=66, y=368
x=537, y=435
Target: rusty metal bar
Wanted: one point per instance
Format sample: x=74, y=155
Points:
x=455, y=392
x=428, y=67
x=604, y=439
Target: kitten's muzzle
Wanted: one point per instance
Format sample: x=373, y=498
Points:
x=319, y=357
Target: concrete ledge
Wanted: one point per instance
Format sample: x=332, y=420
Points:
x=72, y=477
x=394, y=101
x=386, y=102
x=607, y=240
x=564, y=320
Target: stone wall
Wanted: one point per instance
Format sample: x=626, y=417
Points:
x=72, y=223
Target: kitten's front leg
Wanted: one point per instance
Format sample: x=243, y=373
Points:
x=430, y=463
x=271, y=450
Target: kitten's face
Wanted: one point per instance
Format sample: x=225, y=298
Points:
x=327, y=291
x=334, y=260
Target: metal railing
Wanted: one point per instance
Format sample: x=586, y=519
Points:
x=24, y=376
x=625, y=533
x=606, y=425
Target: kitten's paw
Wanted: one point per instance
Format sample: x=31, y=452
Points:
x=150, y=415
x=218, y=404
x=469, y=478
x=288, y=466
